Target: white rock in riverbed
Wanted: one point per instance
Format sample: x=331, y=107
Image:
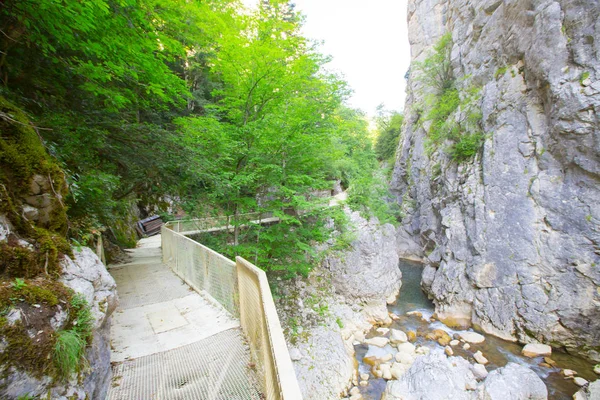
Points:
x=479, y=371
x=579, y=381
x=514, y=382
x=466, y=346
x=386, y=371
x=568, y=372
x=406, y=348
x=377, y=341
x=405, y=358
x=433, y=377
x=364, y=377
x=597, y=369
x=448, y=350
x=590, y=392
x=423, y=351
x=397, y=336
x=454, y=342
x=472, y=337
x=536, y=349
x=478, y=356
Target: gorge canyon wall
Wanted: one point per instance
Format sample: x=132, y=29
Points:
x=511, y=236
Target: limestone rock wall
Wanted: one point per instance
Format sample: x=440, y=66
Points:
x=511, y=238
x=336, y=305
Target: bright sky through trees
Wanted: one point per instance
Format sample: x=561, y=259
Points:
x=369, y=45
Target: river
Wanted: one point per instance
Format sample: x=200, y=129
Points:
x=499, y=352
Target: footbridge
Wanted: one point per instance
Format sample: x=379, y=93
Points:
x=193, y=324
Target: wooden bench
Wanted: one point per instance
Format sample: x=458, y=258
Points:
x=149, y=226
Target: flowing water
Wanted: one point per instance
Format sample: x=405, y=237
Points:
x=499, y=352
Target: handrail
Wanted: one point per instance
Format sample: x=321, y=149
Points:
x=244, y=291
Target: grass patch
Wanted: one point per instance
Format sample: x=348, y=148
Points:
x=68, y=352
x=84, y=320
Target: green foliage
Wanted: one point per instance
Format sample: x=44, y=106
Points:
x=454, y=115
x=68, y=353
x=466, y=147
x=339, y=322
x=500, y=72
x=436, y=70
x=585, y=75
x=389, y=128
x=83, y=321
x=18, y=284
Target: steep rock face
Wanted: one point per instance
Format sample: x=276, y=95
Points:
x=326, y=313
x=511, y=237
x=368, y=272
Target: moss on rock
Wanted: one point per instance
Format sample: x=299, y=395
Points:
x=30, y=179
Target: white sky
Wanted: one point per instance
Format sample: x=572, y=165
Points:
x=369, y=44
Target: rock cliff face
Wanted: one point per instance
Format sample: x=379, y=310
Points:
x=511, y=236
x=341, y=300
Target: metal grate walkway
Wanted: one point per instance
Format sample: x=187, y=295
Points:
x=169, y=342
x=216, y=368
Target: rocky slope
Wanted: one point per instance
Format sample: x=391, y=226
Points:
x=511, y=235
x=325, y=314
x=55, y=301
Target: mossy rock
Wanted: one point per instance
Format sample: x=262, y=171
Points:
x=30, y=178
x=39, y=300
x=22, y=158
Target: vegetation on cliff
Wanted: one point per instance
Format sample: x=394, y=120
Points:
x=451, y=111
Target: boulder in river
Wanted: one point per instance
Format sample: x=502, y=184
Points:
x=472, y=337
x=433, y=377
x=536, y=349
x=514, y=382
x=591, y=392
x=377, y=341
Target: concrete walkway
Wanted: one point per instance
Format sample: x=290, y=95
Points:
x=169, y=342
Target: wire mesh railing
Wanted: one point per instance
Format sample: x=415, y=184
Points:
x=244, y=291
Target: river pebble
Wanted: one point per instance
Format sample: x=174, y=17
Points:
x=480, y=358
x=479, y=371
x=579, y=381
x=397, y=336
x=377, y=341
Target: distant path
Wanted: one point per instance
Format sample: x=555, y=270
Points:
x=197, y=225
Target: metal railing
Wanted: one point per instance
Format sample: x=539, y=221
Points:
x=243, y=290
